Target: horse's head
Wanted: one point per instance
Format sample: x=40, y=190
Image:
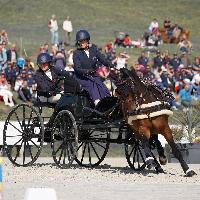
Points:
x=126, y=90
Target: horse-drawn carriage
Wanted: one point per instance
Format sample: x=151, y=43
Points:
x=79, y=132
x=82, y=132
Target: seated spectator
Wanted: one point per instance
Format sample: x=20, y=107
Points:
x=175, y=62
x=59, y=60
x=10, y=75
x=18, y=82
x=70, y=57
x=3, y=58
x=167, y=23
x=153, y=27
x=196, y=64
x=185, y=61
x=109, y=47
x=30, y=81
x=196, y=89
x=24, y=93
x=166, y=57
x=185, y=94
x=176, y=32
x=121, y=60
x=5, y=91
x=185, y=45
x=127, y=41
x=157, y=61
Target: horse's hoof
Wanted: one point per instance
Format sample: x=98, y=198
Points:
x=163, y=160
x=150, y=163
x=159, y=170
x=190, y=173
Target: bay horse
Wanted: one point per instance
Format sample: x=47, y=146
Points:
x=146, y=110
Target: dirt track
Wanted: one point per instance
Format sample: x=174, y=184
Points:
x=113, y=180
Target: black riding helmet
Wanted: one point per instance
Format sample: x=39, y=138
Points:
x=43, y=58
x=82, y=35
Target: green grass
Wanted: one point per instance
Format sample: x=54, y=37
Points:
x=28, y=19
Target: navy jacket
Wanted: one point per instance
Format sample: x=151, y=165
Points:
x=84, y=65
x=47, y=87
x=9, y=53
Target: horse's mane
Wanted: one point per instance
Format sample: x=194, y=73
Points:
x=143, y=85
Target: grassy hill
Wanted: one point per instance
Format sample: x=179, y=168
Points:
x=28, y=19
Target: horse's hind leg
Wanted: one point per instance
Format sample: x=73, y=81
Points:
x=144, y=133
x=160, y=149
x=167, y=133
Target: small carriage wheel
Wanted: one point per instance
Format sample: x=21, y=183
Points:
x=134, y=153
x=64, y=139
x=23, y=135
x=93, y=147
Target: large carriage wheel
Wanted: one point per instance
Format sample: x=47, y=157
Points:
x=23, y=135
x=64, y=139
x=134, y=153
x=93, y=147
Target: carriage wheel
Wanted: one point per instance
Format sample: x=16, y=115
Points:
x=23, y=135
x=134, y=153
x=64, y=139
x=93, y=147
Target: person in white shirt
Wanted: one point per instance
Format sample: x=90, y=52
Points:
x=153, y=26
x=53, y=26
x=68, y=28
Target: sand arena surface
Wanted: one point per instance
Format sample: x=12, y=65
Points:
x=113, y=179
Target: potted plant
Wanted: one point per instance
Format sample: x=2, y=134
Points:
x=186, y=132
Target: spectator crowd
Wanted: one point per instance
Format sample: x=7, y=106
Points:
x=175, y=72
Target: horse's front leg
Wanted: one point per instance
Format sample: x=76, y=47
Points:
x=168, y=136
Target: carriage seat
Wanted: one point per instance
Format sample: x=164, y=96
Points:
x=38, y=103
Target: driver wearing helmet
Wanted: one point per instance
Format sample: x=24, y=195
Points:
x=85, y=59
x=47, y=78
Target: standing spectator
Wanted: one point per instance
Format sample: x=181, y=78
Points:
x=53, y=25
x=67, y=26
x=3, y=58
x=12, y=54
x=18, y=82
x=4, y=37
x=143, y=60
x=46, y=48
x=185, y=61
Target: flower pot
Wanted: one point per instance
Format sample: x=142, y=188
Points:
x=190, y=152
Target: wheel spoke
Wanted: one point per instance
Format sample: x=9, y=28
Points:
x=18, y=150
x=58, y=148
x=95, y=151
x=24, y=153
x=89, y=154
x=83, y=153
x=30, y=117
x=80, y=145
x=100, y=145
x=34, y=143
x=29, y=148
x=16, y=128
x=18, y=120
x=60, y=156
